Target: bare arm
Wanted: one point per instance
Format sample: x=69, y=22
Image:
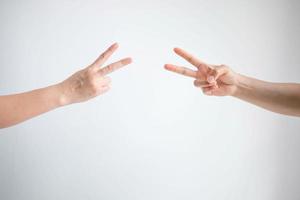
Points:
x=81, y=86
x=282, y=98
x=19, y=107
x=220, y=80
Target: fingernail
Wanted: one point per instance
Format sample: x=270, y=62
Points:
x=210, y=79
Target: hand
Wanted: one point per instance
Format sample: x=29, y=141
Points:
x=91, y=81
x=217, y=80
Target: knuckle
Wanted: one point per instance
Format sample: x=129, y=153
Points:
x=91, y=81
x=224, y=67
x=216, y=71
x=196, y=83
x=96, y=89
x=110, y=67
x=200, y=75
x=200, y=65
x=93, y=84
x=105, y=89
x=90, y=71
x=105, y=70
x=105, y=80
x=102, y=56
x=108, y=86
x=207, y=92
x=90, y=77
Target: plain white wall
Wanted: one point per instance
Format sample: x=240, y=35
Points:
x=153, y=136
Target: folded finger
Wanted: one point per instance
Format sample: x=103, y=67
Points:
x=208, y=90
x=215, y=73
x=202, y=84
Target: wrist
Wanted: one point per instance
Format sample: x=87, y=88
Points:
x=241, y=84
x=60, y=98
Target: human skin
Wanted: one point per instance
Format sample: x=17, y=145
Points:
x=220, y=80
x=81, y=86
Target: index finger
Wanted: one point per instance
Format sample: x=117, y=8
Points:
x=114, y=66
x=105, y=55
x=191, y=59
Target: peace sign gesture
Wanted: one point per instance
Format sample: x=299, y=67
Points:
x=218, y=80
x=91, y=81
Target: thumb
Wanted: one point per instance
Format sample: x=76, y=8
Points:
x=216, y=73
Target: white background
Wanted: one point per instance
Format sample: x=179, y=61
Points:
x=154, y=135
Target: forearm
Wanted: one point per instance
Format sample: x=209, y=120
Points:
x=81, y=86
x=20, y=107
x=282, y=98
